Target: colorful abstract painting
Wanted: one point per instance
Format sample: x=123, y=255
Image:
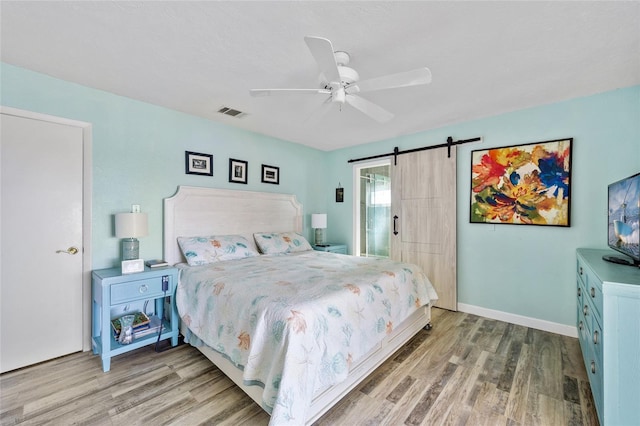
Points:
x=524, y=184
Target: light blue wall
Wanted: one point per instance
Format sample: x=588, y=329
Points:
x=138, y=155
x=525, y=270
x=138, y=158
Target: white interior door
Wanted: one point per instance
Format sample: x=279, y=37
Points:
x=423, y=198
x=41, y=290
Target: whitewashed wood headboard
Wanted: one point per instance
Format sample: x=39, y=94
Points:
x=195, y=211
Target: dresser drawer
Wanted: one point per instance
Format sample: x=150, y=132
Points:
x=594, y=293
x=597, y=339
x=579, y=293
x=586, y=312
x=594, y=366
x=141, y=289
x=584, y=328
x=592, y=287
x=580, y=322
x=581, y=272
x=582, y=332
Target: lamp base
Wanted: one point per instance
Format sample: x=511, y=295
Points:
x=319, y=237
x=130, y=249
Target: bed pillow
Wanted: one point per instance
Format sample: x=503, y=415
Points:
x=281, y=242
x=216, y=248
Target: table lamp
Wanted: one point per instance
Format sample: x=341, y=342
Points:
x=319, y=223
x=130, y=226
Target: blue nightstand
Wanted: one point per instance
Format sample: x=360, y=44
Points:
x=110, y=288
x=332, y=248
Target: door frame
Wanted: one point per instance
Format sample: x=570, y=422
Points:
x=356, y=199
x=87, y=187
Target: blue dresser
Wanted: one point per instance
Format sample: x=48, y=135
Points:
x=608, y=321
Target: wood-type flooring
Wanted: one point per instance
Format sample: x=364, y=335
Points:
x=467, y=370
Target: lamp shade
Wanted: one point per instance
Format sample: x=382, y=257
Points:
x=131, y=225
x=319, y=220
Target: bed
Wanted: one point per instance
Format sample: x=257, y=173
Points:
x=330, y=335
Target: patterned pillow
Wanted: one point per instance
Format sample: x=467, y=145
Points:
x=216, y=248
x=281, y=242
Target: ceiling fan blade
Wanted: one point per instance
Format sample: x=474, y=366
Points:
x=392, y=81
x=270, y=92
x=322, y=52
x=319, y=113
x=379, y=114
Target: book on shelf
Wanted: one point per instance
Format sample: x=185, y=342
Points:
x=152, y=326
x=140, y=322
x=156, y=263
x=155, y=325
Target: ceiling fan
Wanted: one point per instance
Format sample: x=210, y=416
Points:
x=341, y=84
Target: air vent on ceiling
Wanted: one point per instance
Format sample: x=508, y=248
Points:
x=232, y=112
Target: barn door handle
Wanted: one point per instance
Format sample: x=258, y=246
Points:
x=70, y=250
x=395, y=222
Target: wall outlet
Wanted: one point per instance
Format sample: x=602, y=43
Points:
x=135, y=208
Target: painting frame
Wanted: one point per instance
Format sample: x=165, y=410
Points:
x=197, y=163
x=270, y=174
x=526, y=184
x=238, y=170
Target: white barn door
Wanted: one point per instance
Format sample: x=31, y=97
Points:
x=423, y=198
x=41, y=287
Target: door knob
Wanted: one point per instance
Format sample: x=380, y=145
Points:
x=70, y=250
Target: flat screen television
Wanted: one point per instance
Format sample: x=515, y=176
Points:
x=624, y=219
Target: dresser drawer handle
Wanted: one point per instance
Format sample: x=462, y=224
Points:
x=580, y=326
x=143, y=289
x=595, y=337
x=580, y=270
x=579, y=291
x=585, y=310
x=593, y=367
x=593, y=292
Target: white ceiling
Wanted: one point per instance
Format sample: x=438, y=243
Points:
x=486, y=58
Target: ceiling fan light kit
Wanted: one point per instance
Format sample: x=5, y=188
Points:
x=342, y=83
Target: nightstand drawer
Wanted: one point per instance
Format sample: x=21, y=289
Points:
x=141, y=289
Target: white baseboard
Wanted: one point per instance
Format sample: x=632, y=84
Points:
x=553, y=327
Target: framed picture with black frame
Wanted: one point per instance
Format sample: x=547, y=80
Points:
x=238, y=171
x=197, y=163
x=270, y=174
x=527, y=184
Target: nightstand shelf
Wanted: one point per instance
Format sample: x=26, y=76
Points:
x=110, y=288
x=332, y=248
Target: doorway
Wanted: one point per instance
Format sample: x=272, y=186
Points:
x=46, y=236
x=373, y=209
